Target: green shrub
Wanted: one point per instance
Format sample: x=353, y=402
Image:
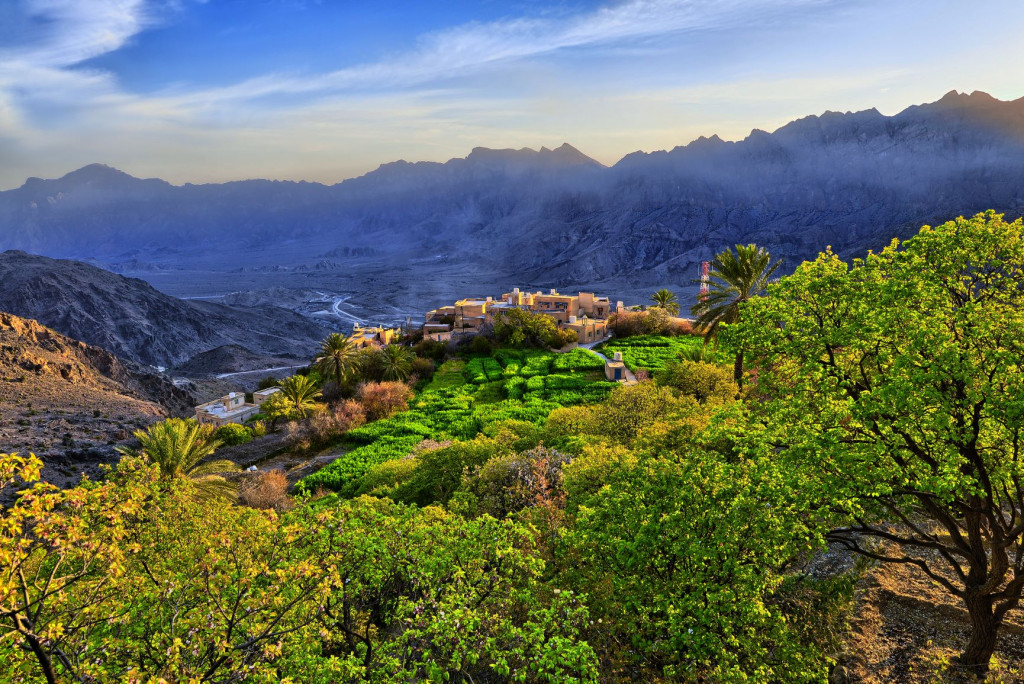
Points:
x=233, y=434
x=341, y=475
x=577, y=360
x=703, y=381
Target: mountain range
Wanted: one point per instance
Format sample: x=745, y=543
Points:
x=850, y=180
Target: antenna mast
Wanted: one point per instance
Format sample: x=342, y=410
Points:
x=705, y=269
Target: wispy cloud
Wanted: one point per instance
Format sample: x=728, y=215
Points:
x=74, y=31
x=468, y=48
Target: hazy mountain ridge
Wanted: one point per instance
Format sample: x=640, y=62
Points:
x=130, y=318
x=850, y=180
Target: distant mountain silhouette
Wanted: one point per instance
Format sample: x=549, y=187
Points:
x=850, y=180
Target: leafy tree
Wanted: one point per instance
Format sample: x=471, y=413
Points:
x=518, y=328
x=219, y=593
x=301, y=393
x=736, y=277
x=424, y=595
x=667, y=300
x=54, y=544
x=509, y=483
x=337, y=357
x=180, y=448
x=681, y=558
x=397, y=362
x=277, y=407
x=895, y=387
x=703, y=381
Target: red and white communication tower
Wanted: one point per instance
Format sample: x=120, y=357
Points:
x=705, y=270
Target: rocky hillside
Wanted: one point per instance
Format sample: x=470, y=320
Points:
x=129, y=317
x=69, y=402
x=850, y=180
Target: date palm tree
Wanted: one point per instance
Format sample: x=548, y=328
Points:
x=301, y=393
x=396, y=361
x=735, y=277
x=337, y=357
x=667, y=300
x=180, y=448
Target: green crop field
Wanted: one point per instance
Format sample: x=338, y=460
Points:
x=464, y=397
x=652, y=352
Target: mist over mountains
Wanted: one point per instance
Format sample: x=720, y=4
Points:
x=853, y=181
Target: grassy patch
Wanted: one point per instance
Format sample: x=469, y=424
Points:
x=490, y=393
x=448, y=376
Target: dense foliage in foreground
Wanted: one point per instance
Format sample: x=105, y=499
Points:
x=510, y=555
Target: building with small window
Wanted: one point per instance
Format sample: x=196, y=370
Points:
x=585, y=313
x=232, y=408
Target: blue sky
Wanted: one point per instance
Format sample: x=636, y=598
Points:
x=213, y=90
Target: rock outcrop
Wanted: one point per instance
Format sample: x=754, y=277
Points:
x=70, y=403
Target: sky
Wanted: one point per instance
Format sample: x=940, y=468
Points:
x=323, y=90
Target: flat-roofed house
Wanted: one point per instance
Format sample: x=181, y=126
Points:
x=232, y=408
x=587, y=329
x=556, y=305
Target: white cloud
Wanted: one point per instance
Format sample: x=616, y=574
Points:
x=77, y=30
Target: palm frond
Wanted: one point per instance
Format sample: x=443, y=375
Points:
x=212, y=467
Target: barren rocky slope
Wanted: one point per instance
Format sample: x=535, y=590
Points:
x=129, y=317
x=68, y=402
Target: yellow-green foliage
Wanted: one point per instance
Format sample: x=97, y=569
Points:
x=702, y=381
x=163, y=586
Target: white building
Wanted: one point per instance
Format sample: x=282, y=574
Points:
x=232, y=408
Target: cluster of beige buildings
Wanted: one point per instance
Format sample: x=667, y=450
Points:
x=585, y=313
x=232, y=408
x=374, y=337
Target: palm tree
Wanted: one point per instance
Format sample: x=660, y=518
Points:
x=397, y=362
x=179, y=447
x=301, y=393
x=667, y=300
x=735, y=277
x=337, y=357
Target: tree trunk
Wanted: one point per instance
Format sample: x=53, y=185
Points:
x=43, y=657
x=737, y=369
x=984, y=632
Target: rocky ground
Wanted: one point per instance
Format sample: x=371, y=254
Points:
x=907, y=630
x=70, y=403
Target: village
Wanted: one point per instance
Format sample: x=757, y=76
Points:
x=584, y=313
